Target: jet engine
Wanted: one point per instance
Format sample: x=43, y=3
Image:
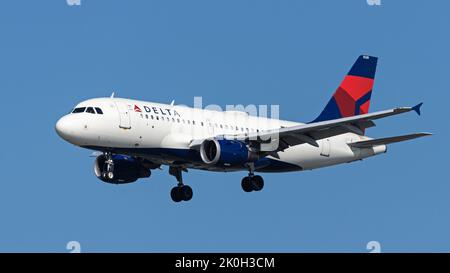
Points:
x=125, y=169
x=225, y=152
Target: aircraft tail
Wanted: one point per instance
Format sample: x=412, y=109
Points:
x=353, y=95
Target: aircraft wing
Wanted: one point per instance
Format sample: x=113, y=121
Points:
x=310, y=133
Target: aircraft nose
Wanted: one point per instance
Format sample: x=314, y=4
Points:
x=63, y=128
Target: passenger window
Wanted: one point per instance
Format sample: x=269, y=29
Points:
x=79, y=110
x=99, y=111
x=90, y=110
x=193, y=122
x=201, y=123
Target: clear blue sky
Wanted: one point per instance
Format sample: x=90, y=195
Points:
x=291, y=53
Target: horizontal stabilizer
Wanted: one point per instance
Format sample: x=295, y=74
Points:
x=387, y=140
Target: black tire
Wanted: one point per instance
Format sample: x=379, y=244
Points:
x=175, y=194
x=246, y=184
x=186, y=193
x=257, y=183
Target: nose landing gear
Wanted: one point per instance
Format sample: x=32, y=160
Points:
x=108, y=167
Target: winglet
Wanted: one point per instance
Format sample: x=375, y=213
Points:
x=417, y=108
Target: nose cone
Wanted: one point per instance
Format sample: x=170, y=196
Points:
x=74, y=129
x=63, y=128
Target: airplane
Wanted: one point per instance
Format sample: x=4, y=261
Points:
x=131, y=137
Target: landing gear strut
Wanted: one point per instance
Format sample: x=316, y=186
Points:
x=252, y=182
x=108, y=167
x=181, y=192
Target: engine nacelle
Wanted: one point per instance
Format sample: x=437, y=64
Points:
x=225, y=152
x=126, y=169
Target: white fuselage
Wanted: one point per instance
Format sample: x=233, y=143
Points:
x=163, y=134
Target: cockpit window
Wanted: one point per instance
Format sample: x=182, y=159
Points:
x=79, y=110
x=88, y=110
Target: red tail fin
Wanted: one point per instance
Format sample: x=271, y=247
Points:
x=353, y=95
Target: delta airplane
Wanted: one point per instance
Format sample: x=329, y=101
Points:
x=131, y=138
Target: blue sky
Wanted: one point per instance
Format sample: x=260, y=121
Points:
x=291, y=53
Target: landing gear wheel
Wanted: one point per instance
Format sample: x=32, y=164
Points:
x=252, y=183
x=181, y=193
x=175, y=193
x=257, y=183
x=246, y=184
x=110, y=175
x=186, y=193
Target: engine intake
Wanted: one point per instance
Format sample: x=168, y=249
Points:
x=225, y=152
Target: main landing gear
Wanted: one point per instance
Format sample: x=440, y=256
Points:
x=252, y=182
x=181, y=192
